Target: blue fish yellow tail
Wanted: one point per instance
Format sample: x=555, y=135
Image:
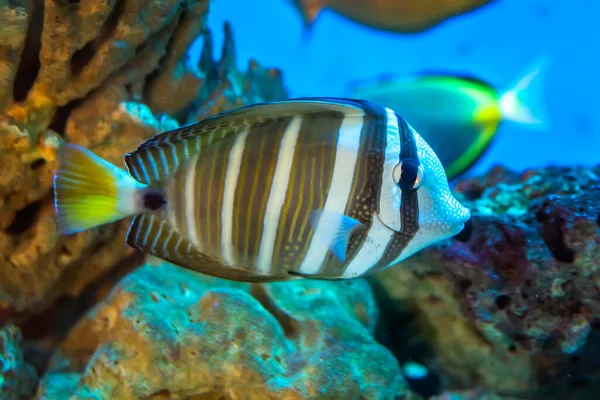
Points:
x=524, y=102
x=90, y=191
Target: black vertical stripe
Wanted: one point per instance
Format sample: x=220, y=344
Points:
x=409, y=206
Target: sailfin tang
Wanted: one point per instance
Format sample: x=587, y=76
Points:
x=151, y=234
x=346, y=225
x=158, y=157
x=90, y=191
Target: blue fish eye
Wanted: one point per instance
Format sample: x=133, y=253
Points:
x=408, y=174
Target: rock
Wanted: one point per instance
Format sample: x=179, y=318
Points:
x=512, y=309
x=165, y=331
x=105, y=76
x=17, y=378
x=474, y=394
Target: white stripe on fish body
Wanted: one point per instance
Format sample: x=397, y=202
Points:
x=379, y=236
x=190, y=202
x=346, y=157
x=279, y=188
x=389, y=200
x=231, y=181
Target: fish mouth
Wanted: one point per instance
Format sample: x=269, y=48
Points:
x=465, y=234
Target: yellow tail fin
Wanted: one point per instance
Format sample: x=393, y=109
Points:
x=90, y=191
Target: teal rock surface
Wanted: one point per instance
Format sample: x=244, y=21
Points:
x=17, y=378
x=165, y=331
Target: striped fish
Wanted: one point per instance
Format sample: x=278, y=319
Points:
x=322, y=188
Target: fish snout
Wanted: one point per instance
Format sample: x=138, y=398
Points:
x=459, y=217
x=465, y=234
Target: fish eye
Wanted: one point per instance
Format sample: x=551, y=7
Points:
x=408, y=174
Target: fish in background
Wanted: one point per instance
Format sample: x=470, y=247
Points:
x=402, y=16
x=459, y=115
x=320, y=188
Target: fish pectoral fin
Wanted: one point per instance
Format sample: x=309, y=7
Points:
x=346, y=225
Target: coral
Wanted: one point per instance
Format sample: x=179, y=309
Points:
x=106, y=75
x=17, y=378
x=165, y=331
x=513, y=307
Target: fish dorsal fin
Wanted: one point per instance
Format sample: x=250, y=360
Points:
x=456, y=76
x=159, y=156
x=151, y=234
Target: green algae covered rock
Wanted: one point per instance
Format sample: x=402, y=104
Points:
x=17, y=378
x=165, y=332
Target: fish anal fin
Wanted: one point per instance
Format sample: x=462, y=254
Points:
x=345, y=227
x=151, y=234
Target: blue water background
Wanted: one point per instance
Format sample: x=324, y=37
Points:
x=495, y=43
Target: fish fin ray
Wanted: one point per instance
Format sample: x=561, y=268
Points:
x=89, y=191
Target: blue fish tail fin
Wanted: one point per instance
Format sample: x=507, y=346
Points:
x=524, y=102
x=90, y=191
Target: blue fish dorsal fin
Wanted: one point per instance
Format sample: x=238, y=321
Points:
x=433, y=74
x=346, y=225
x=158, y=157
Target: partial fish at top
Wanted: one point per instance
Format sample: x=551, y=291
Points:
x=406, y=16
x=321, y=188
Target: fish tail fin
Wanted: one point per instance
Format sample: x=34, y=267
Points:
x=90, y=191
x=524, y=102
x=309, y=9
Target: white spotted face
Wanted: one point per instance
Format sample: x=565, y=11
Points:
x=441, y=216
